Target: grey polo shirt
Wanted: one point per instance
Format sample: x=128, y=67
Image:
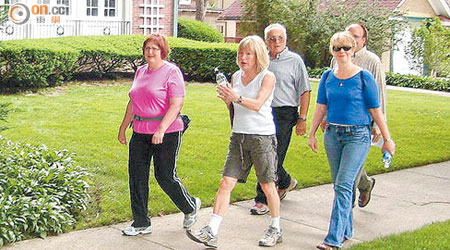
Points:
x=291, y=79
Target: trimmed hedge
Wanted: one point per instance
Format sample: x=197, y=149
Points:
x=37, y=63
x=418, y=82
x=199, y=31
x=411, y=81
x=42, y=191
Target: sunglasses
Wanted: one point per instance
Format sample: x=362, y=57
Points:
x=274, y=39
x=338, y=48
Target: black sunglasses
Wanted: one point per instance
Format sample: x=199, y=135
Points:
x=338, y=48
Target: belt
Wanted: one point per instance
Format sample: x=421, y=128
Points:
x=157, y=118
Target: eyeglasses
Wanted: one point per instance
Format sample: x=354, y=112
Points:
x=338, y=48
x=152, y=49
x=274, y=39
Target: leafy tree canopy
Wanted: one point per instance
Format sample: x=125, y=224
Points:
x=310, y=23
x=430, y=45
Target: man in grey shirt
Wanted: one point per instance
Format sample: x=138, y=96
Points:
x=292, y=89
x=372, y=63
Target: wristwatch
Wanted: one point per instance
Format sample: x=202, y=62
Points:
x=302, y=118
x=389, y=139
x=239, y=100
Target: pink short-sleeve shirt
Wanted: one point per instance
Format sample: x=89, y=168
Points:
x=150, y=96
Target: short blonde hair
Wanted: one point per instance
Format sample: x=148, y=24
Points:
x=257, y=45
x=342, y=38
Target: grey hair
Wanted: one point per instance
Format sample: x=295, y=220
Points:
x=273, y=26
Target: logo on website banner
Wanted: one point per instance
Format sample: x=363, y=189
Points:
x=19, y=13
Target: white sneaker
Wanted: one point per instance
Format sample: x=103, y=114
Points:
x=133, y=231
x=190, y=219
x=271, y=237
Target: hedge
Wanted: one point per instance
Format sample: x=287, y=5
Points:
x=199, y=31
x=36, y=63
x=42, y=191
x=418, y=82
x=394, y=79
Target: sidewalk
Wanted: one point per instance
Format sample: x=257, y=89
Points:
x=401, y=200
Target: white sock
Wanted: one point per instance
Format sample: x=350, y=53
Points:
x=275, y=222
x=214, y=223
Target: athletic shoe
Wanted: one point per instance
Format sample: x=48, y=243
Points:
x=190, y=219
x=271, y=237
x=293, y=185
x=133, y=231
x=259, y=209
x=203, y=236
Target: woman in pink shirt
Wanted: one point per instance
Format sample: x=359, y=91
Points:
x=156, y=99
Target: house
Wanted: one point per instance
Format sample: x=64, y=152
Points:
x=415, y=11
x=393, y=60
x=187, y=9
x=55, y=18
x=230, y=19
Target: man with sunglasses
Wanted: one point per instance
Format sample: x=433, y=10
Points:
x=292, y=89
x=372, y=63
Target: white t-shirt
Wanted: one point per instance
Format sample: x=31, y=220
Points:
x=247, y=121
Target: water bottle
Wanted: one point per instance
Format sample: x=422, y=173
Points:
x=387, y=158
x=221, y=79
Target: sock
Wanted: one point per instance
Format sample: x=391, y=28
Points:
x=214, y=223
x=275, y=222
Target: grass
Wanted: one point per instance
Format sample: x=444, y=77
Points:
x=84, y=118
x=434, y=236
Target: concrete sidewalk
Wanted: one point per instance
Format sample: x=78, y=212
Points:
x=402, y=200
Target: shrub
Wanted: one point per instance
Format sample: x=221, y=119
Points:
x=199, y=31
x=36, y=63
x=316, y=72
x=4, y=111
x=42, y=191
x=418, y=82
x=34, y=67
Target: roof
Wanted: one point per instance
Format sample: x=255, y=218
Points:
x=233, y=12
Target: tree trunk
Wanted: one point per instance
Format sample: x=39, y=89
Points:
x=200, y=11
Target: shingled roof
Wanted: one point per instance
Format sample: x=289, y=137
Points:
x=233, y=12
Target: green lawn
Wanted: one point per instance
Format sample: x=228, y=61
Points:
x=434, y=236
x=84, y=118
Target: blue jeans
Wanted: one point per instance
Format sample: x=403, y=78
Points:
x=347, y=148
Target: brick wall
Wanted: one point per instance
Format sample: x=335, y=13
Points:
x=166, y=21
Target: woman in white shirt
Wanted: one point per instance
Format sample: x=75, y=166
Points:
x=253, y=141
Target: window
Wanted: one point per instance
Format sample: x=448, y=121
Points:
x=185, y=2
x=62, y=2
x=91, y=7
x=65, y=4
x=110, y=8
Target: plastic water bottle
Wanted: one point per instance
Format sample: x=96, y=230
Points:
x=221, y=79
x=387, y=158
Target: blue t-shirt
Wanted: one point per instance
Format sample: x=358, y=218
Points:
x=348, y=101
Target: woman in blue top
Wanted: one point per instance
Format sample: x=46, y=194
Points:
x=348, y=96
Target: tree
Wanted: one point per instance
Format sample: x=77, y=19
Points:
x=310, y=23
x=430, y=46
x=200, y=9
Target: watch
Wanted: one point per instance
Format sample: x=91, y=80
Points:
x=302, y=118
x=239, y=100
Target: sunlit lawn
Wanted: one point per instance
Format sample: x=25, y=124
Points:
x=84, y=118
x=434, y=236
